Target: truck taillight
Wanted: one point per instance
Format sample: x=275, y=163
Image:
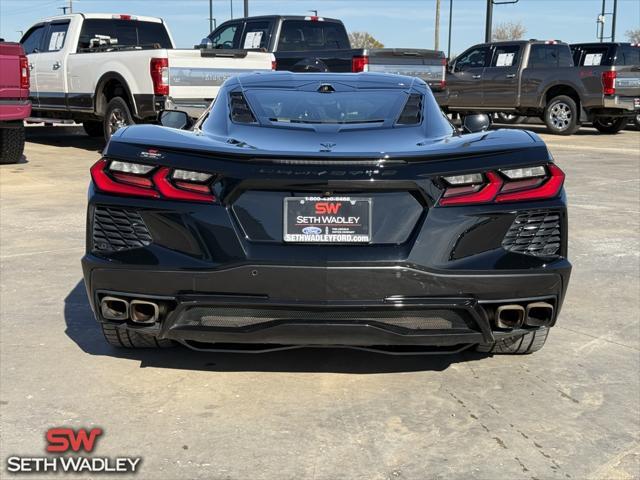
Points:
x=274, y=65
x=360, y=63
x=160, y=75
x=609, y=83
x=24, y=72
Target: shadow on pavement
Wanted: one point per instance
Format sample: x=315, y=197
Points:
x=64, y=136
x=82, y=328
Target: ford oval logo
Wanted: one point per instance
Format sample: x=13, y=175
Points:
x=312, y=230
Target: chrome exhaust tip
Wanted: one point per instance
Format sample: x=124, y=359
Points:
x=143, y=311
x=510, y=316
x=113, y=308
x=539, y=314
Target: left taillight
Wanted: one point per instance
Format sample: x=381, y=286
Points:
x=141, y=180
x=538, y=182
x=159, y=69
x=24, y=72
x=609, y=82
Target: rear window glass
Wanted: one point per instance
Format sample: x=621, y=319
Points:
x=628, y=55
x=591, y=56
x=128, y=33
x=288, y=106
x=543, y=56
x=308, y=35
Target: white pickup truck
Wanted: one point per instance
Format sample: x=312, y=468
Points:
x=108, y=71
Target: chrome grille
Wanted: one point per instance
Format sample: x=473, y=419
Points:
x=116, y=229
x=536, y=232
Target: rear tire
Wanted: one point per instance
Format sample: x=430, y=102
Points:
x=561, y=115
x=509, y=118
x=11, y=144
x=93, y=128
x=116, y=117
x=528, y=343
x=125, y=338
x=610, y=125
x=636, y=121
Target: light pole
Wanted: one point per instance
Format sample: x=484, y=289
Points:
x=450, y=23
x=210, y=16
x=231, y=7
x=490, y=4
x=437, y=28
x=246, y=8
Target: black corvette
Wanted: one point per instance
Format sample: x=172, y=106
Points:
x=326, y=209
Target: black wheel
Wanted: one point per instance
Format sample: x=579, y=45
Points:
x=561, y=115
x=124, y=338
x=509, y=118
x=93, y=128
x=11, y=144
x=610, y=124
x=636, y=121
x=116, y=116
x=528, y=343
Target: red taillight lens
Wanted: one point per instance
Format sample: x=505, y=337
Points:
x=533, y=183
x=140, y=180
x=549, y=189
x=359, y=63
x=274, y=65
x=159, y=68
x=181, y=190
x=24, y=72
x=609, y=83
x=486, y=194
x=110, y=183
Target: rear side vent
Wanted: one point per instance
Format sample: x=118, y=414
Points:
x=116, y=229
x=536, y=232
x=240, y=111
x=412, y=111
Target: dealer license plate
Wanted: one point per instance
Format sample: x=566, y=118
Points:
x=327, y=220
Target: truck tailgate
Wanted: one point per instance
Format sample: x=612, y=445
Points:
x=198, y=74
x=628, y=81
x=429, y=65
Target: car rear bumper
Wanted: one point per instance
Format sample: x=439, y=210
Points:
x=273, y=306
x=14, y=109
x=628, y=104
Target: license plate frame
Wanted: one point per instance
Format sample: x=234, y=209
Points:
x=340, y=220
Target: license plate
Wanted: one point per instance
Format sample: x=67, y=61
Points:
x=327, y=220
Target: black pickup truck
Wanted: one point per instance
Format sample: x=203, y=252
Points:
x=317, y=44
x=538, y=78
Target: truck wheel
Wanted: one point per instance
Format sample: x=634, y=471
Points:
x=636, y=121
x=116, y=116
x=509, y=118
x=561, y=115
x=610, y=124
x=528, y=343
x=93, y=128
x=122, y=338
x=11, y=144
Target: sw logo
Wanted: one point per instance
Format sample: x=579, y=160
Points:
x=65, y=439
x=328, y=207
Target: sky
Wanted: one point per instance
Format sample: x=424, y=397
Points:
x=396, y=23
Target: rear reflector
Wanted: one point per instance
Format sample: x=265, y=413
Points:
x=609, y=83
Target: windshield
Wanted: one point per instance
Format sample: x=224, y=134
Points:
x=294, y=106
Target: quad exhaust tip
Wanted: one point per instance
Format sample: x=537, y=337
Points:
x=510, y=316
x=143, y=311
x=113, y=308
x=539, y=314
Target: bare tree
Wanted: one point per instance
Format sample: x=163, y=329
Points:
x=633, y=35
x=509, y=31
x=364, y=40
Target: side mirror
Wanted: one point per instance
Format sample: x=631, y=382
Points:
x=205, y=43
x=175, y=119
x=477, y=122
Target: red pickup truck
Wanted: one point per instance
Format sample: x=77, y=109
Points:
x=15, y=105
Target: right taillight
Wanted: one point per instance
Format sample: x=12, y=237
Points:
x=159, y=68
x=609, y=83
x=24, y=72
x=539, y=182
x=141, y=180
x=360, y=63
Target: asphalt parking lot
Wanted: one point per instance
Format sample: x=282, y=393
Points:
x=571, y=411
